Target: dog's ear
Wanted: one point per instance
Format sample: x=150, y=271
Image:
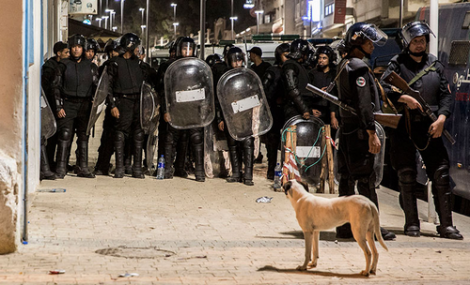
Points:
x=304, y=184
x=287, y=186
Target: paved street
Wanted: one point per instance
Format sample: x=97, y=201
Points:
x=183, y=232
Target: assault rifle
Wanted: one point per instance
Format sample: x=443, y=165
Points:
x=395, y=79
x=387, y=120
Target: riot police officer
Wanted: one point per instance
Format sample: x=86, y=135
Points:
x=50, y=72
x=417, y=132
x=235, y=59
x=73, y=104
x=295, y=79
x=91, y=48
x=321, y=76
x=359, y=142
x=126, y=76
x=274, y=90
x=177, y=139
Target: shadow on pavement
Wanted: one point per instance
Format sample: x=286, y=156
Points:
x=320, y=273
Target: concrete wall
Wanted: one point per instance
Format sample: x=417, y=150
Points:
x=11, y=93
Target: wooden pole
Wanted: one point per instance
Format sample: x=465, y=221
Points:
x=293, y=145
x=329, y=152
x=323, y=165
x=285, y=172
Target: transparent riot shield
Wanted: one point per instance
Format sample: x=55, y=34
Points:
x=48, y=122
x=379, y=157
x=244, y=106
x=149, y=119
x=216, y=156
x=99, y=100
x=189, y=93
x=308, y=144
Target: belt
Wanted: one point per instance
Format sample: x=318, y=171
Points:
x=132, y=96
x=76, y=99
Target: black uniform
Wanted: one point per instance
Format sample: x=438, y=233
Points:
x=74, y=95
x=321, y=79
x=295, y=80
x=274, y=89
x=125, y=81
x=261, y=68
x=433, y=87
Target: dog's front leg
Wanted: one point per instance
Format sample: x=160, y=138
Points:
x=308, y=250
x=315, y=255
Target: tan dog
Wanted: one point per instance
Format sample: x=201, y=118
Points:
x=316, y=214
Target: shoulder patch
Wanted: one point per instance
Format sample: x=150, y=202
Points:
x=361, y=81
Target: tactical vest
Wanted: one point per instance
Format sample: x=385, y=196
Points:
x=129, y=76
x=77, y=78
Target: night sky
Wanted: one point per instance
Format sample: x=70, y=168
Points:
x=187, y=15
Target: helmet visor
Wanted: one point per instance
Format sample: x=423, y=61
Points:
x=236, y=58
x=415, y=29
x=187, y=49
x=374, y=34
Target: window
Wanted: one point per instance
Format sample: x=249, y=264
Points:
x=329, y=9
x=466, y=21
x=459, y=52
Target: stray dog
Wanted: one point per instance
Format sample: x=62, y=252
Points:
x=316, y=214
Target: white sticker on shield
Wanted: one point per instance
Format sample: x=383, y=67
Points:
x=43, y=102
x=100, y=107
x=190, y=95
x=245, y=104
x=308, y=151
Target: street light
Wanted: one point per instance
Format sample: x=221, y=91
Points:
x=112, y=18
x=258, y=12
x=142, y=10
x=143, y=28
x=231, y=20
x=174, y=25
x=122, y=14
x=114, y=28
x=99, y=21
x=110, y=11
x=174, y=16
x=105, y=21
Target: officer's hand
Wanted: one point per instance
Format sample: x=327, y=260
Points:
x=324, y=88
x=436, y=128
x=167, y=117
x=334, y=123
x=61, y=113
x=115, y=112
x=410, y=102
x=374, y=142
x=306, y=115
x=221, y=126
x=316, y=113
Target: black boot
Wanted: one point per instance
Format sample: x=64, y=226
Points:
x=271, y=148
x=63, y=144
x=442, y=195
x=197, y=143
x=45, y=172
x=83, y=158
x=119, y=154
x=128, y=144
x=248, y=153
x=406, y=184
x=344, y=231
x=180, y=160
x=138, y=145
x=234, y=161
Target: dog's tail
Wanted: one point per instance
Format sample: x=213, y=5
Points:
x=376, y=221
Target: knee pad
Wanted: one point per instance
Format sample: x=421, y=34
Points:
x=248, y=143
x=139, y=136
x=119, y=136
x=197, y=138
x=407, y=175
x=65, y=134
x=441, y=175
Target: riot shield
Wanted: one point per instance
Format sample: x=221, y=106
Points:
x=379, y=157
x=244, y=105
x=189, y=93
x=309, y=146
x=48, y=122
x=216, y=156
x=99, y=101
x=149, y=118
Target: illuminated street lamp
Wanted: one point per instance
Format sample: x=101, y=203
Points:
x=231, y=20
x=114, y=28
x=105, y=21
x=99, y=21
x=110, y=11
x=258, y=12
x=142, y=10
x=174, y=16
x=143, y=28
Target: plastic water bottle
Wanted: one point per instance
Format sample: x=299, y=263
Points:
x=161, y=168
x=277, y=177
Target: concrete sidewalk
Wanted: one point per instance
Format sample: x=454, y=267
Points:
x=183, y=232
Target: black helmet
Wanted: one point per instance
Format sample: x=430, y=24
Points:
x=60, y=46
x=298, y=49
x=92, y=44
x=234, y=54
x=226, y=49
x=129, y=42
x=110, y=46
x=172, y=48
x=280, y=49
x=212, y=59
x=330, y=53
x=413, y=30
x=358, y=32
x=185, y=43
x=77, y=39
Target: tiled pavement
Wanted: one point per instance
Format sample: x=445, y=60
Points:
x=183, y=232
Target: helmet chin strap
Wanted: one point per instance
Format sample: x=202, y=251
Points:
x=418, y=54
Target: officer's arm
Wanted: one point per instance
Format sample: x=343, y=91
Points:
x=48, y=76
x=268, y=83
x=363, y=84
x=96, y=77
x=445, y=96
x=112, y=76
x=291, y=82
x=57, y=87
